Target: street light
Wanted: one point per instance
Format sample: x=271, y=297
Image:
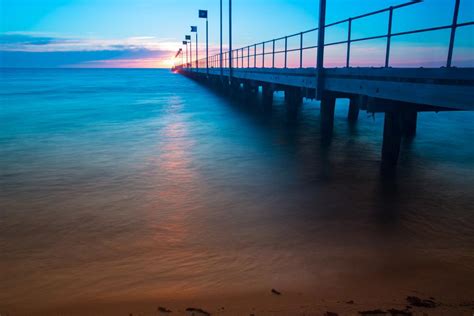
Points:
x=194, y=29
x=230, y=41
x=188, y=38
x=203, y=15
x=180, y=52
x=220, y=57
x=185, y=43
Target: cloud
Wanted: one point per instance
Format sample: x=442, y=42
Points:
x=14, y=39
x=37, y=50
x=85, y=59
x=26, y=42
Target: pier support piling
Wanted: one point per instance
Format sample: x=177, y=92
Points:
x=354, y=108
x=328, y=104
x=392, y=133
x=409, y=122
x=293, y=96
x=250, y=91
x=234, y=88
x=267, y=95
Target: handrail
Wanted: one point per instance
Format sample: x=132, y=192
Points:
x=242, y=54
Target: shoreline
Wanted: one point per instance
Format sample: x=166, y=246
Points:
x=265, y=304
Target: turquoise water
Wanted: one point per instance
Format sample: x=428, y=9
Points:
x=122, y=185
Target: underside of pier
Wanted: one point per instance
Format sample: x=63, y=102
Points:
x=399, y=93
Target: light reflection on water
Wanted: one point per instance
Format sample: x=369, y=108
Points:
x=164, y=189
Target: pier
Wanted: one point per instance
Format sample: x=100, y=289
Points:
x=399, y=93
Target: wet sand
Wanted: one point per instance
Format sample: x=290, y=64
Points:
x=266, y=304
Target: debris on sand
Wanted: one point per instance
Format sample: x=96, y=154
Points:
x=197, y=310
x=276, y=292
x=418, y=302
x=350, y=302
x=373, y=312
x=162, y=309
x=399, y=312
x=331, y=314
x=467, y=304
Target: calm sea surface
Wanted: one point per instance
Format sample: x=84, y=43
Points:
x=121, y=185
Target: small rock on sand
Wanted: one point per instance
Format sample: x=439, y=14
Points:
x=350, y=302
x=276, y=292
x=331, y=314
x=197, y=310
x=373, y=312
x=162, y=309
x=398, y=312
x=418, y=302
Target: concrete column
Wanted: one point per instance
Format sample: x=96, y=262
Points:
x=234, y=88
x=224, y=87
x=392, y=133
x=287, y=97
x=250, y=91
x=353, y=114
x=247, y=89
x=328, y=104
x=293, y=96
x=267, y=95
x=409, y=122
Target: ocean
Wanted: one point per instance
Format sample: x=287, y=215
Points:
x=125, y=186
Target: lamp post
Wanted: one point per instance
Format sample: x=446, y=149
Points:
x=203, y=15
x=194, y=29
x=220, y=57
x=230, y=41
x=185, y=43
x=180, y=52
x=320, y=54
x=188, y=38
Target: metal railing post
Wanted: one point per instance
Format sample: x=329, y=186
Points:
x=301, y=50
x=389, y=37
x=453, y=34
x=263, y=55
x=286, y=50
x=248, y=56
x=255, y=56
x=349, y=43
x=273, y=55
x=242, y=57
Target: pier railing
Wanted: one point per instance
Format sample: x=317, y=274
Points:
x=264, y=54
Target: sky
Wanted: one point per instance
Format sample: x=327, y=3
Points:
x=148, y=33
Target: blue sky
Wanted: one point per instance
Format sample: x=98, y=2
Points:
x=147, y=33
